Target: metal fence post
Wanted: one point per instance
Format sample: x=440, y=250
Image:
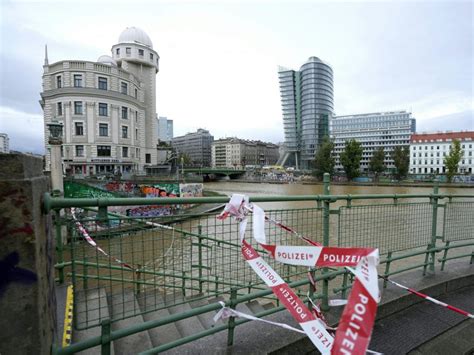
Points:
x=59, y=246
x=231, y=322
x=105, y=337
x=326, y=208
x=200, y=257
x=434, y=201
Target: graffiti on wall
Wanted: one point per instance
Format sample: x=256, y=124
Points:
x=160, y=190
x=73, y=189
x=190, y=190
x=149, y=211
x=10, y=272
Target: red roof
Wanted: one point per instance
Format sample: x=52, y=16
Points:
x=428, y=137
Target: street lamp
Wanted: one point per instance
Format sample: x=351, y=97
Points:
x=55, y=140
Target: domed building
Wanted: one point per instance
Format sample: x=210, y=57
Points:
x=107, y=108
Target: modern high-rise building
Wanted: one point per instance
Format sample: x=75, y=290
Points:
x=307, y=100
x=165, y=129
x=372, y=130
x=107, y=108
x=196, y=145
x=4, y=143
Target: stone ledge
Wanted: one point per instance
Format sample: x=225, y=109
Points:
x=20, y=166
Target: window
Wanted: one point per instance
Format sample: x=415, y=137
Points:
x=128, y=50
x=136, y=133
x=103, y=129
x=140, y=52
x=59, y=82
x=79, y=150
x=103, y=109
x=77, y=80
x=60, y=109
x=78, y=107
x=124, y=152
x=124, y=113
x=148, y=158
x=103, y=150
x=117, y=51
x=124, y=132
x=151, y=56
x=79, y=128
x=136, y=93
x=102, y=83
x=124, y=88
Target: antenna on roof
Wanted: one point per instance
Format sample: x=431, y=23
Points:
x=46, y=61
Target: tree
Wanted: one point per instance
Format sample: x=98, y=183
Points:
x=350, y=158
x=324, y=161
x=451, y=161
x=401, y=160
x=376, y=163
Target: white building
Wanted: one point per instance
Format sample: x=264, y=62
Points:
x=165, y=129
x=236, y=153
x=372, y=130
x=4, y=143
x=428, y=150
x=107, y=108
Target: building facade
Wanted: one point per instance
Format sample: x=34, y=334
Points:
x=107, y=108
x=165, y=129
x=4, y=143
x=196, y=145
x=428, y=150
x=237, y=153
x=372, y=130
x=307, y=100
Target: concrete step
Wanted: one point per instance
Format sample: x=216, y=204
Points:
x=268, y=305
x=126, y=305
x=186, y=326
x=206, y=319
x=91, y=308
x=255, y=306
x=166, y=333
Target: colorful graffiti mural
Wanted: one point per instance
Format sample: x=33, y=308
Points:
x=190, y=190
x=74, y=189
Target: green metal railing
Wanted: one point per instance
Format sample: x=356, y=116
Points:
x=199, y=256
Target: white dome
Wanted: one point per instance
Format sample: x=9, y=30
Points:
x=135, y=35
x=106, y=59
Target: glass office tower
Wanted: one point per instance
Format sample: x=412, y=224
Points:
x=307, y=101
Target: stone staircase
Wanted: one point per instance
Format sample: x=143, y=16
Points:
x=95, y=305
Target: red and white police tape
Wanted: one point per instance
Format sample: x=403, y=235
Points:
x=92, y=242
x=431, y=299
x=355, y=326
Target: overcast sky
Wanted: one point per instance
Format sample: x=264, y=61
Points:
x=219, y=59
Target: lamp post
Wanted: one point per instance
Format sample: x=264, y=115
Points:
x=55, y=141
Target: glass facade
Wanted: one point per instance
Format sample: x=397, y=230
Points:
x=372, y=130
x=307, y=99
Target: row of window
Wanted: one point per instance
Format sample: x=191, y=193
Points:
x=141, y=52
x=463, y=146
x=102, y=84
x=103, y=130
x=463, y=161
x=102, y=151
x=103, y=109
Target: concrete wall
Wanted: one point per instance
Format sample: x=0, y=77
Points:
x=27, y=295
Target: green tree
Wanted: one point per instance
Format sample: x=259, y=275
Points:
x=324, y=161
x=350, y=158
x=451, y=161
x=376, y=163
x=401, y=160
